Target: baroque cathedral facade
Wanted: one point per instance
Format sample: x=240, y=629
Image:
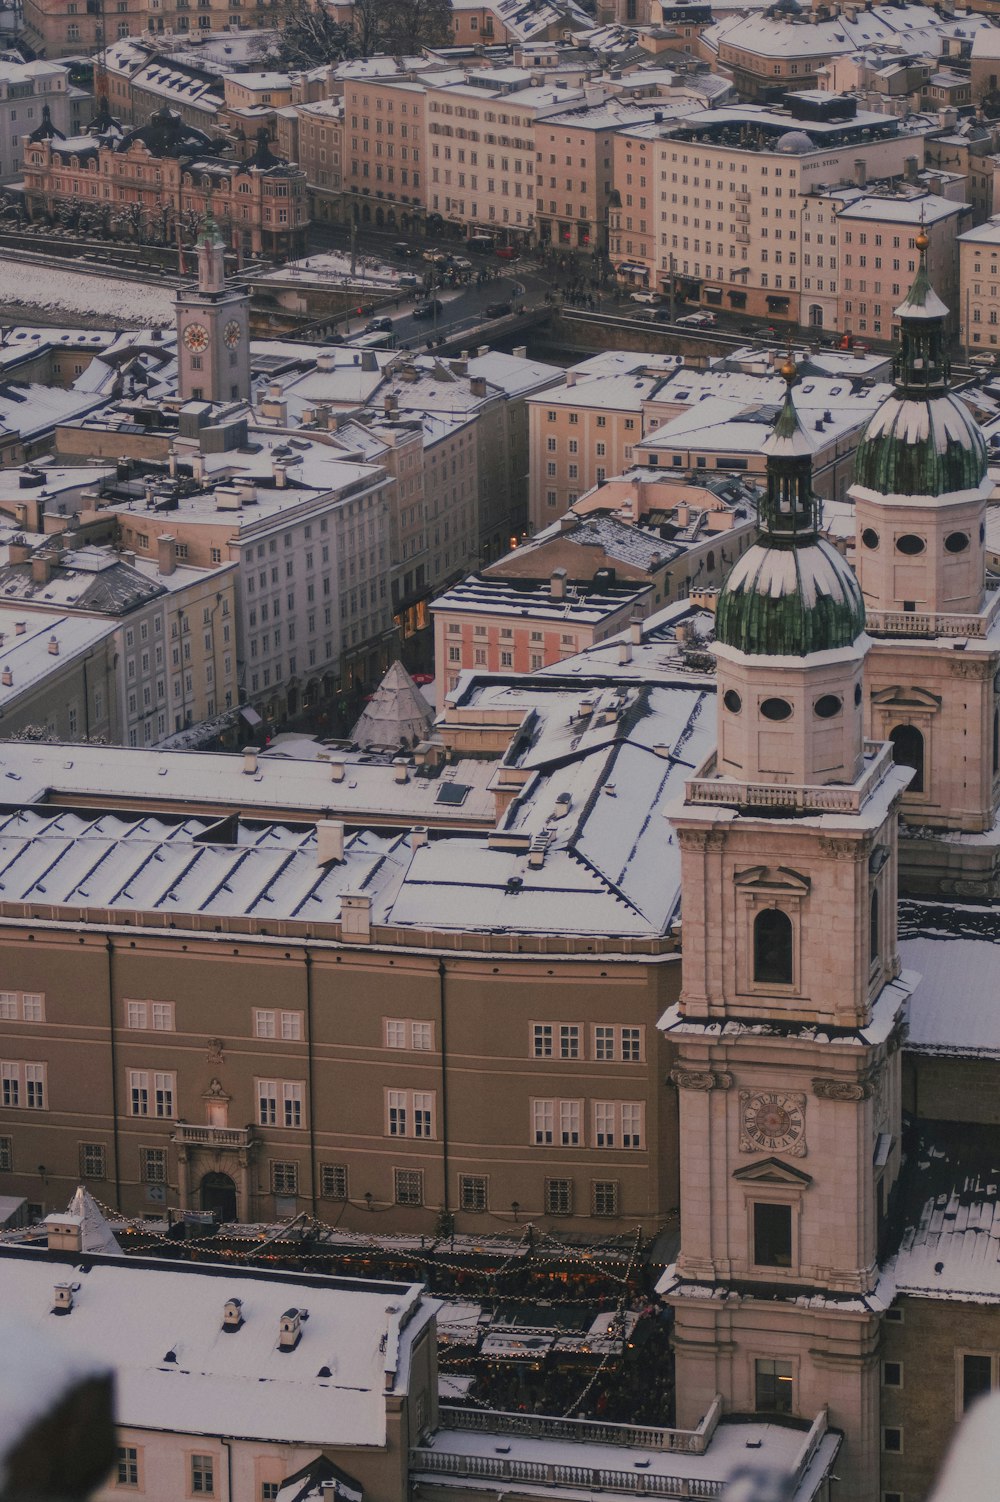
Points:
x=857, y=755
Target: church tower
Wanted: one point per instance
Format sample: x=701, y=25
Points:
x=791, y=1011
x=920, y=493
x=213, y=331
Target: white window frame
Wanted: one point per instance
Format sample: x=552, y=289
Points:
x=152, y=1094
x=411, y=1113
x=408, y=1032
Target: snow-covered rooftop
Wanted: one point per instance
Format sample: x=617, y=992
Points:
x=159, y=1326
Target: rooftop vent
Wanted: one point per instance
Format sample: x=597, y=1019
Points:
x=250, y=761
x=62, y=1297
x=232, y=1316
x=53, y=646
x=329, y=841
x=336, y=771
x=290, y=1329
x=6, y=677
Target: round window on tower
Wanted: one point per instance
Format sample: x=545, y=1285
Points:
x=732, y=701
x=870, y=537
x=776, y=709
x=909, y=544
x=828, y=706
x=857, y=693
x=956, y=542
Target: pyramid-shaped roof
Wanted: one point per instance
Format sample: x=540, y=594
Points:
x=97, y=1235
x=397, y=715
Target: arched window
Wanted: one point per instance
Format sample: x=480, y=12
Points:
x=873, y=931
x=908, y=750
x=772, y=947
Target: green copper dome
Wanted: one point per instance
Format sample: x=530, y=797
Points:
x=925, y=446
x=922, y=441
x=789, y=602
x=791, y=593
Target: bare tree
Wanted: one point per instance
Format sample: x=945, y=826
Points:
x=308, y=36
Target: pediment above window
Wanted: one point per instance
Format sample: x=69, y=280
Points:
x=906, y=697
x=772, y=879
x=773, y=1171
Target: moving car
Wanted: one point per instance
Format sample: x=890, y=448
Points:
x=697, y=321
x=648, y=297
x=403, y=248
x=497, y=309
x=378, y=326
x=430, y=309
x=507, y=253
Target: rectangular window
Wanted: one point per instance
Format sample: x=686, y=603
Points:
x=267, y=1102
x=473, y=1192
x=23, y=1085
x=291, y=1027
x=542, y=1119
x=291, y=1094
x=569, y=1041
x=892, y=1441
x=408, y=1184
x=409, y=1113
x=401, y=1032
x=559, y=1196
x=618, y=1123
x=569, y=1123
x=772, y=1235
x=773, y=1386
x=33, y=1006
x=202, y=1475
x=10, y=1091
x=613, y=1043
x=93, y=1160
x=604, y=1196
x=153, y=1165
x=128, y=1466
x=162, y=1016
x=284, y=1178
x=892, y=1374
x=333, y=1181
x=264, y=1023
x=541, y=1040
x=977, y=1378
x=6, y=1155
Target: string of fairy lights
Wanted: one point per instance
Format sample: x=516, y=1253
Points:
x=535, y=1251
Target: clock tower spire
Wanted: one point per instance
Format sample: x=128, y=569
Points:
x=788, y=1026
x=213, y=330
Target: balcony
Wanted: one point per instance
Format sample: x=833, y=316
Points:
x=186, y=1135
x=915, y=623
x=840, y=798
x=630, y=1436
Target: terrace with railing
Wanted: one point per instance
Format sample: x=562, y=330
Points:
x=846, y=798
x=186, y=1135
x=646, y=1468
x=976, y=624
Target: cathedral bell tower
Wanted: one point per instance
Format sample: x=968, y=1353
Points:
x=791, y=1012
x=213, y=331
x=920, y=493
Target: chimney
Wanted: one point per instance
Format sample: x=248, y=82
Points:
x=910, y=169
x=280, y=473
x=624, y=651
x=390, y=403
x=336, y=771
x=249, y=761
x=41, y=569
x=7, y=678
x=329, y=841
x=557, y=584
x=368, y=360
x=20, y=627
x=18, y=552
x=418, y=836
x=290, y=1330
x=166, y=558
x=571, y=378
x=64, y=1233
x=356, y=917
x=53, y=646
x=62, y=1298
x=478, y=385
x=401, y=770
x=635, y=632
x=232, y=1316
x=860, y=172
x=198, y=467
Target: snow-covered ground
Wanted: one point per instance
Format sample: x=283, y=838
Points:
x=62, y=290
x=335, y=266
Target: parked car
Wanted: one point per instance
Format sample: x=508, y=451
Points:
x=481, y=244
x=436, y=257
x=982, y=361
x=507, y=252
x=378, y=326
x=403, y=248
x=647, y=297
x=697, y=321
x=461, y=263
x=429, y=309
x=497, y=309
x=408, y=279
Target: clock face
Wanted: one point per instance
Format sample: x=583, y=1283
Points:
x=196, y=337
x=232, y=334
x=772, y=1121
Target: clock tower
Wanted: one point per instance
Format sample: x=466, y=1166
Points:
x=213, y=331
x=792, y=1004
